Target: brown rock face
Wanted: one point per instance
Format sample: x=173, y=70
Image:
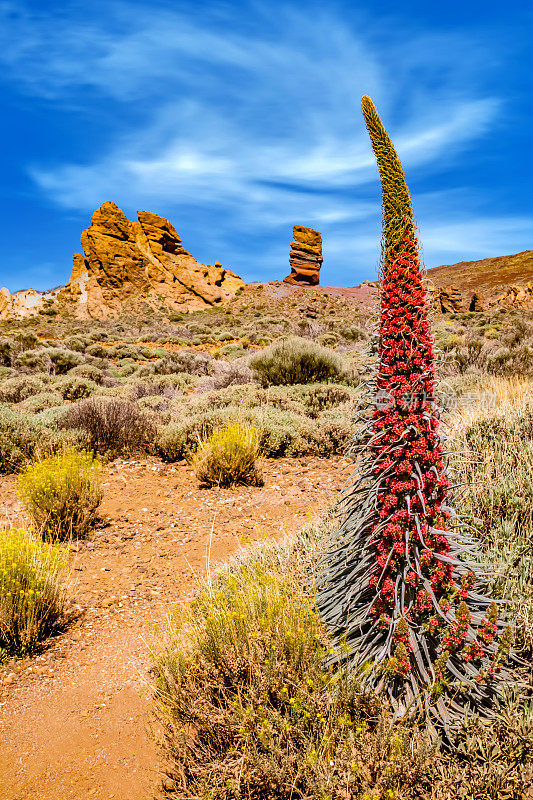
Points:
x=127, y=264
x=477, y=302
x=514, y=297
x=305, y=257
x=449, y=300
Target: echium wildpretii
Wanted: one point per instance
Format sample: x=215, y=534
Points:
x=397, y=590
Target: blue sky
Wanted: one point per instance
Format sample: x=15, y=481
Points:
x=237, y=120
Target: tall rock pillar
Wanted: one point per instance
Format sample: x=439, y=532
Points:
x=305, y=257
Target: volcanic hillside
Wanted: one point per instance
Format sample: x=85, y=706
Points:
x=490, y=276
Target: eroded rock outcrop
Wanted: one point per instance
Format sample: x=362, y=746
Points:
x=129, y=266
x=305, y=257
x=514, y=297
x=20, y=304
x=449, y=300
x=477, y=302
x=129, y=263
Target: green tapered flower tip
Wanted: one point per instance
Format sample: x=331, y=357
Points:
x=397, y=209
x=369, y=109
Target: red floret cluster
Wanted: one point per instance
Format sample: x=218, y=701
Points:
x=412, y=574
x=396, y=589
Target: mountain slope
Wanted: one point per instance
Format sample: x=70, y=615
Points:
x=490, y=276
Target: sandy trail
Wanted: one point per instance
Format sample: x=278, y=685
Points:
x=75, y=720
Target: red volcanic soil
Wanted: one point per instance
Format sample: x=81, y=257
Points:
x=363, y=295
x=75, y=720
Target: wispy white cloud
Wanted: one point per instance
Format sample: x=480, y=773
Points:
x=256, y=121
x=475, y=237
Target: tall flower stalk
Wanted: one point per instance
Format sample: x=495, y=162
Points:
x=399, y=590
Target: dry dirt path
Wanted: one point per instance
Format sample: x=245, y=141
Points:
x=75, y=721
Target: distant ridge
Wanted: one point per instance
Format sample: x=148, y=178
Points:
x=489, y=276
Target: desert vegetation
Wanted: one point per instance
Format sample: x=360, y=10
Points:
x=229, y=457
x=250, y=680
x=62, y=493
x=247, y=664
x=373, y=658
x=32, y=592
x=250, y=708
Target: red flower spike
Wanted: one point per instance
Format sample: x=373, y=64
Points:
x=398, y=593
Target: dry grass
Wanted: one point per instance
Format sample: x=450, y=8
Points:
x=492, y=461
x=493, y=395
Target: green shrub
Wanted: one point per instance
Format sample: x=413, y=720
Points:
x=281, y=432
x=113, y=426
x=32, y=592
x=98, y=351
x=62, y=493
x=34, y=361
x=165, y=385
x=21, y=438
x=127, y=369
x=26, y=340
x=88, y=371
x=184, y=361
x=77, y=343
x=296, y=360
x=6, y=352
x=328, y=339
x=229, y=457
x=325, y=397
x=124, y=351
x=230, y=351
x=197, y=328
x=72, y=387
x=14, y=390
x=354, y=334
x=63, y=360
x=41, y=402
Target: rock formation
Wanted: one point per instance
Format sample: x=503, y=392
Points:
x=129, y=266
x=19, y=304
x=477, y=302
x=514, y=297
x=449, y=300
x=305, y=257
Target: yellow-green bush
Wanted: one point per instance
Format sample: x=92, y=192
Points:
x=250, y=709
x=62, y=493
x=32, y=591
x=229, y=457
